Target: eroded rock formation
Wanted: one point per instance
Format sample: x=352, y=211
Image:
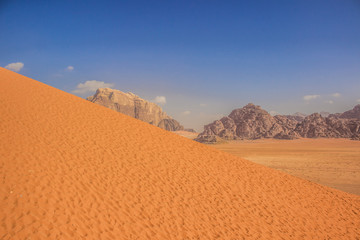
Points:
x=296, y=116
x=252, y=122
x=134, y=106
x=249, y=122
x=316, y=126
x=351, y=114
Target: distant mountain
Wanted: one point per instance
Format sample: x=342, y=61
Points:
x=315, y=126
x=249, y=122
x=190, y=130
x=134, y=106
x=296, y=116
x=252, y=122
x=351, y=114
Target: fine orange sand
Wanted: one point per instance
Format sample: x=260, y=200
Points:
x=71, y=169
x=331, y=162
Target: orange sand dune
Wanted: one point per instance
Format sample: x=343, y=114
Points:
x=71, y=169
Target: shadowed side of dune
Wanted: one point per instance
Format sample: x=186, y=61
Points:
x=70, y=169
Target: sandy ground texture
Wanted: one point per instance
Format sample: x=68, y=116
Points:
x=71, y=169
x=331, y=162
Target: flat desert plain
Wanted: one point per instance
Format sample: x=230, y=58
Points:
x=71, y=169
x=331, y=162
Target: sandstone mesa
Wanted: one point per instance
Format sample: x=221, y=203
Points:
x=136, y=107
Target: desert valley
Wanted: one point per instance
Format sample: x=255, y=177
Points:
x=71, y=169
x=322, y=148
x=330, y=162
x=189, y=120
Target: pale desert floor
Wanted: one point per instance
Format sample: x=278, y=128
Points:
x=331, y=162
x=71, y=169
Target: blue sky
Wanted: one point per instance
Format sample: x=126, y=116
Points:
x=205, y=57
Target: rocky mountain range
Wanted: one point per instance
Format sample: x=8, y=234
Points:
x=351, y=114
x=134, y=106
x=252, y=122
x=296, y=116
x=317, y=126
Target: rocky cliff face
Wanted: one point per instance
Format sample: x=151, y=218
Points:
x=170, y=125
x=351, y=114
x=315, y=126
x=134, y=106
x=249, y=122
x=252, y=122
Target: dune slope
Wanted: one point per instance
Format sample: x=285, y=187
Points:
x=70, y=169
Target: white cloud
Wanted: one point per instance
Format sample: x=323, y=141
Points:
x=310, y=97
x=330, y=101
x=336, y=95
x=70, y=68
x=16, y=67
x=160, y=100
x=203, y=105
x=91, y=86
x=358, y=100
x=186, y=112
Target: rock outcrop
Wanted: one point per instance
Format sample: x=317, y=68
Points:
x=252, y=122
x=351, y=114
x=287, y=123
x=249, y=122
x=170, y=125
x=134, y=106
x=316, y=126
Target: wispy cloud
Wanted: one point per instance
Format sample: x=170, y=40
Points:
x=90, y=86
x=160, y=100
x=203, y=105
x=329, y=101
x=16, y=67
x=310, y=97
x=186, y=113
x=70, y=68
x=358, y=100
x=336, y=95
